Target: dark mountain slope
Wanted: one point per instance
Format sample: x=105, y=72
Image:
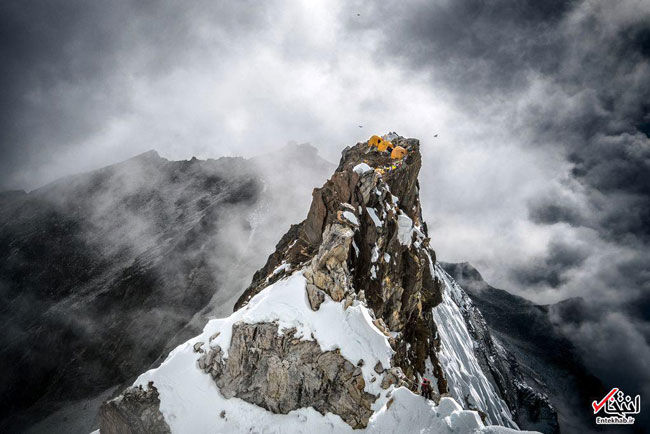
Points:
x=99, y=271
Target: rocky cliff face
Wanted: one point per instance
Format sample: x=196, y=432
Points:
x=364, y=234
x=349, y=312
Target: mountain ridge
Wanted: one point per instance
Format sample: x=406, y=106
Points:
x=352, y=293
x=93, y=260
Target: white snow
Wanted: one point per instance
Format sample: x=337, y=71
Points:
x=404, y=229
x=362, y=168
x=192, y=403
x=375, y=254
x=387, y=258
x=465, y=378
x=410, y=413
x=351, y=330
x=373, y=215
x=349, y=216
x=282, y=267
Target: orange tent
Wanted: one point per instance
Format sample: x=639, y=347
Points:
x=383, y=145
x=374, y=141
x=398, y=153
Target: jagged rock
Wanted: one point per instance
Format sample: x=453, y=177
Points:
x=315, y=296
x=390, y=243
x=135, y=411
x=328, y=270
x=349, y=300
x=281, y=373
x=393, y=376
x=363, y=238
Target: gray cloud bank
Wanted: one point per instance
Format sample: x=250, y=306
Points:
x=540, y=175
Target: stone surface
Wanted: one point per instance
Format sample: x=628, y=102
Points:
x=315, y=296
x=339, y=258
x=135, y=411
x=282, y=373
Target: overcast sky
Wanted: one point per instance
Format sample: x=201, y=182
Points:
x=540, y=175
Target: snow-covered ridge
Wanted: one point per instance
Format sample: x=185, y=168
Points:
x=191, y=402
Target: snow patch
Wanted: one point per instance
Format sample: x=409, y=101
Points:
x=373, y=216
x=282, y=267
x=362, y=168
x=375, y=254
x=349, y=216
x=404, y=229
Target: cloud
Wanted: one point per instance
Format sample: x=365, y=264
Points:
x=539, y=176
x=552, y=268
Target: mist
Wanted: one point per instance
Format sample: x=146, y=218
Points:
x=533, y=117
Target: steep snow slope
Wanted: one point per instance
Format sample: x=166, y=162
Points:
x=546, y=358
x=465, y=378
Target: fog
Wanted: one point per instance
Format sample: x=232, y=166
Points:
x=533, y=118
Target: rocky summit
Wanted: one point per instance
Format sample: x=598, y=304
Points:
x=339, y=328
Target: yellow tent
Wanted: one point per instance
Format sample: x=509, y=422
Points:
x=398, y=153
x=374, y=141
x=383, y=145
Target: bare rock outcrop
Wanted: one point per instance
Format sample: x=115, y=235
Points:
x=281, y=373
x=328, y=270
x=364, y=237
x=135, y=411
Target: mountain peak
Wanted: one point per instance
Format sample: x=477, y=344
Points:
x=349, y=314
x=369, y=193
x=151, y=154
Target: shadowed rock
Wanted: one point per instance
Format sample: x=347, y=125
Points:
x=135, y=411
